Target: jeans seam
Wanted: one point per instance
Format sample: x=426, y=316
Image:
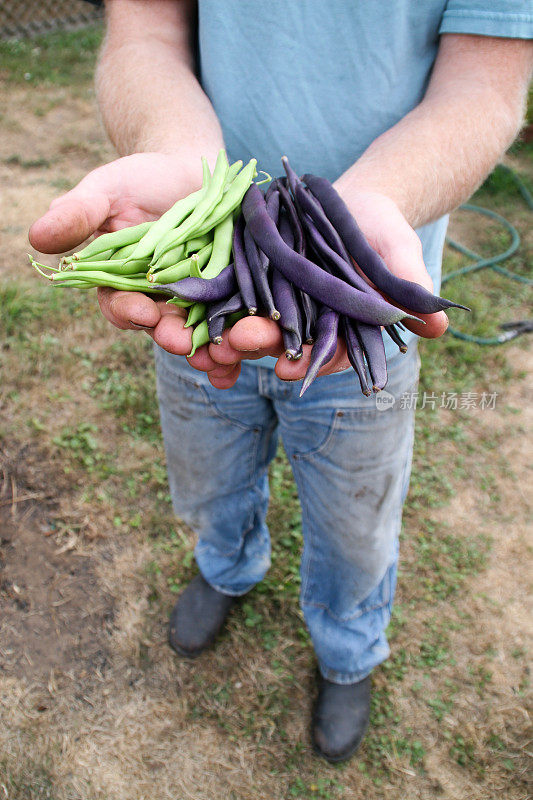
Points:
x=360, y=612
x=349, y=677
x=209, y=402
x=303, y=456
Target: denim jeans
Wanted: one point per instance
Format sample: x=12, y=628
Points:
x=351, y=459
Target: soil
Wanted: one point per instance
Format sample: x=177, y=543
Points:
x=53, y=614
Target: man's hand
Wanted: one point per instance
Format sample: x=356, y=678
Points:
x=252, y=337
x=124, y=192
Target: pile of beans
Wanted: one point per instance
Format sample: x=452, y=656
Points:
x=227, y=250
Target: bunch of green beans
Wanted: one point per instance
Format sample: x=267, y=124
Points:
x=191, y=239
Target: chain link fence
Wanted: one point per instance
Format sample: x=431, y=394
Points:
x=19, y=18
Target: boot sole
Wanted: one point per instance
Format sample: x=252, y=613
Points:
x=337, y=759
x=192, y=654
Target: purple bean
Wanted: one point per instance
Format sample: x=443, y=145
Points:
x=392, y=330
x=242, y=269
x=257, y=269
x=310, y=277
x=215, y=328
x=286, y=303
x=288, y=204
x=306, y=204
x=406, y=293
x=285, y=229
x=292, y=177
x=306, y=303
x=216, y=315
x=355, y=354
x=325, y=345
x=273, y=187
x=342, y=268
x=229, y=305
x=272, y=205
x=371, y=341
x=292, y=343
x=203, y=290
x=309, y=316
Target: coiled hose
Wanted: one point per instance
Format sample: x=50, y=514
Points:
x=511, y=329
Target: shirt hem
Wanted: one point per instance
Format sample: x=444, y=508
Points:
x=491, y=23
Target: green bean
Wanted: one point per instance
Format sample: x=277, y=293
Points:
x=195, y=269
x=193, y=245
x=231, y=199
x=166, y=243
x=122, y=252
x=169, y=258
x=175, y=273
x=222, y=244
x=200, y=336
x=175, y=301
x=103, y=256
x=233, y=171
x=207, y=203
x=65, y=262
x=183, y=268
x=168, y=239
x=114, y=240
x=167, y=222
x=196, y=314
x=202, y=256
x=98, y=278
x=123, y=267
x=206, y=173
x=70, y=284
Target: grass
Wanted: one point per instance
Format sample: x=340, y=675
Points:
x=55, y=59
x=29, y=782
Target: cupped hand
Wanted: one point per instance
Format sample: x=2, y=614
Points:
x=125, y=192
x=392, y=237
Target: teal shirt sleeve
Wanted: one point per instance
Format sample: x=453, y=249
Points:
x=512, y=19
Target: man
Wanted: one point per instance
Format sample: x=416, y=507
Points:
x=407, y=107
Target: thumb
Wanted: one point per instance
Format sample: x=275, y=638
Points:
x=72, y=218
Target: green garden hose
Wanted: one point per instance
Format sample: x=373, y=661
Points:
x=511, y=330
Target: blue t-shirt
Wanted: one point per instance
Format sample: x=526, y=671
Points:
x=319, y=80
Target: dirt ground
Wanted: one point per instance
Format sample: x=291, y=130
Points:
x=93, y=704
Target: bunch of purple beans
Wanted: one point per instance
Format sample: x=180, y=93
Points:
x=292, y=261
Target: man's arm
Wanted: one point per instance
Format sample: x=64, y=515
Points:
x=424, y=166
x=161, y=121
x=439, y=153
x=149, y=96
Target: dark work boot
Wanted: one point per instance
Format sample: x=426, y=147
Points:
x=340, y=718
x=197, y=617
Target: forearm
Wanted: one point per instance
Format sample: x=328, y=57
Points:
x=437, y=155
x=149, y=96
